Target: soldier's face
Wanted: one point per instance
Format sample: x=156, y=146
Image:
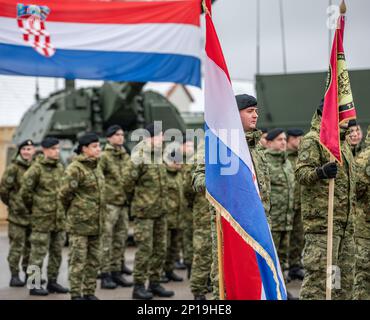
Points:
x=52, y=153
x=92, y=150
x=279, y=143
x=27, y=152
x=117, y=139
x=293, y=143
x=249, y=118
x=355, y=135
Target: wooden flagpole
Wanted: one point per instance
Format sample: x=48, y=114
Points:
x=220, y=257
x=329, y=253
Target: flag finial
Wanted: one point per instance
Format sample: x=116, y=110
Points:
x=343, y=7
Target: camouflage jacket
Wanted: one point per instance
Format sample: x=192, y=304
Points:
x=261, y=166
x=148, y=182
x=293, y=156
x=362, y=217
x=39, y=192
x=282, y=190
x=9, y=191
x=175, y=197
x=314, y=192
x=82, y=194
x=112, y=163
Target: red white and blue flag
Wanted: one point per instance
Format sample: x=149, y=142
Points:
x=135, y=41
x=251, y=268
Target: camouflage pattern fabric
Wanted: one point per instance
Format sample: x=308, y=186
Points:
x=39, y=192
x=202, y=241
x=84, y=262
x=214, y=265
x=43, y=243
x=314, y=204
x=151, y=241
x=19, y=247
x=296, y=236
x=362, y=227
x=10, y=186
x=281, y=241
x=173, y=248
x=282, y=191
x=82, y=195
x=113, y=239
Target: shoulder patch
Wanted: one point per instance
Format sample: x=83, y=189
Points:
x=10, y=179
x=304, y=155
x=368, y=171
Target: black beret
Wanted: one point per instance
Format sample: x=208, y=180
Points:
x=245, y=101
x=25, y=143
x=352, y=123
x=295, y=132
x=49, y=142
x=320, y=108
x=85, y=140
x=263, y=130
x=272, y=134
x=112, y=130
x=150, y=128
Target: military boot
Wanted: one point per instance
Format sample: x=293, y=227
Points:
x=107, y=282
x=164, y=279
x=126, y=270
x=172, y=276
x=200, y=297
x=179, y=265
x=296, y=273
x=140, y=292
x=90, y=297
x=54, y=287
x=39, y=292
x=157, y=290
x=120, y=280
x=16, y=282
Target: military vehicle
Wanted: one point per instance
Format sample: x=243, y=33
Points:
x=70, y=112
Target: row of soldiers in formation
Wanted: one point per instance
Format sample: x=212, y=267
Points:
x=90, y=201
x=293, y=185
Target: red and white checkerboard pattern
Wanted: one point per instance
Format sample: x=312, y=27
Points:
x=34, y=32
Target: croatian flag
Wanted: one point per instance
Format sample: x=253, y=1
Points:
x=250, y=263
x=135, y=41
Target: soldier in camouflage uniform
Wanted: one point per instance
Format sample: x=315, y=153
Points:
x=175, y=203
x=146, y=176
x=248, y=109
x=282, y=192
x=355, y=138
x=296, y=236
x=112, y=162
x=202, y=238
x=189, y=194
x=19, y=229
x=39, y=192
x=313, y=170
x=362, y=228
x=83, y=196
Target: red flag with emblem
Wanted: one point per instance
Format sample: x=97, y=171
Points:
x=338, y=101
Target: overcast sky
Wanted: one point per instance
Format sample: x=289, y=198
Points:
x=307, y=46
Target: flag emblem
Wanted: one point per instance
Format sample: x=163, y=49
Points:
x=31, y=22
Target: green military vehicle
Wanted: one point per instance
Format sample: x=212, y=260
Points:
x=70, y=112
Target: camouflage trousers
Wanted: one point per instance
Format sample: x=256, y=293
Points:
x=19, y=247
x=281, y=241
x=173, y=249
x=214, y=264
x=151, y=242
x=314, y=262
x=43, y=243
x=187, y=240
x=296, y=242
x=113, y=239
x=84, y=262
x=361, y=290
x=202, y=254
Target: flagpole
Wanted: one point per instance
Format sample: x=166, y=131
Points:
x=329, y=253
x=220, y=257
